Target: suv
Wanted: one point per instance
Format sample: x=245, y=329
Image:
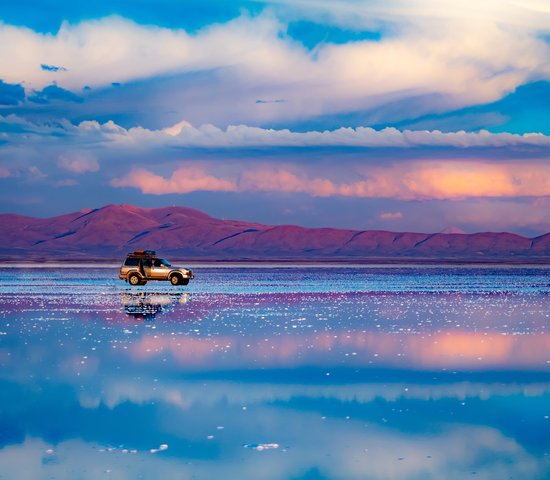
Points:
x=143, y=265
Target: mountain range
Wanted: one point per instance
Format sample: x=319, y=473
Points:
x=108, y=233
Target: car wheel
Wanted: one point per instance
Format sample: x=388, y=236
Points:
x=134, y=279
x=175, y=279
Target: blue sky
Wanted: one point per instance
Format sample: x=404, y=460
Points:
x=396, y=115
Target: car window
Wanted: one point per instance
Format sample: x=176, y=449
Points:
x=147, y=262
x=131, y=262
x=165, y=262
x=157, y=263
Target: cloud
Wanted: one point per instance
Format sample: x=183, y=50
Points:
x=378, y=13
x=184, y=180
x=176, y=129
x=455, y=180
x=260, y=61
x=36, y=173
x=278, y=180
x=52, y=68
x=183, y=134
x=500, y=215
x=78, y=162
x=4, y=172
x=68, y=182
x=278, y=100
x=54, y=93
x=11, y=94
x=186, y=135
x=474, y=180
x=192, y=178
x=423, y=180
x=391, y=216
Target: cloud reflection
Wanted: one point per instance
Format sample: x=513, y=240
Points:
x=443, y=349
x=347, y=453
x=189, y=394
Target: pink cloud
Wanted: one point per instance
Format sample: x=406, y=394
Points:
x=391, y=216
x=183, y=180
x=268, y=179
x=504, y=213
x=36, y=173
x=420, y=180
x=69, y=182
x=78, y=162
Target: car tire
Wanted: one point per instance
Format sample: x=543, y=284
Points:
x=175, y=280
x=134, y=279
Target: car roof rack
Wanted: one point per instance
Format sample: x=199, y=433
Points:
x=143, y=253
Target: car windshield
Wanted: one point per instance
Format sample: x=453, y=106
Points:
x=164, y=262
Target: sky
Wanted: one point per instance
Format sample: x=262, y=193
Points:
x=401, y=115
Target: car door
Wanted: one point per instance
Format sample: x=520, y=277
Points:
x=148, y=267
x=158, y=270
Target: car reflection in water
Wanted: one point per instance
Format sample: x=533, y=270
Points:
x=145, y=306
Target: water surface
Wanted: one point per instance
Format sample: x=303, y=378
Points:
x=276, y=373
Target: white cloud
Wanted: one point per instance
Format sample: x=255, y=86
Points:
x=183, y=134
x=432, y=48
x=531, y=14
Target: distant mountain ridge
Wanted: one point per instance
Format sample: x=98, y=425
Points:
x=108, y=233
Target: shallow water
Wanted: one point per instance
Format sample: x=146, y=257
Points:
x=276, y=373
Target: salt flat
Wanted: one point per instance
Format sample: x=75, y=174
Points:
x=338, y=372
